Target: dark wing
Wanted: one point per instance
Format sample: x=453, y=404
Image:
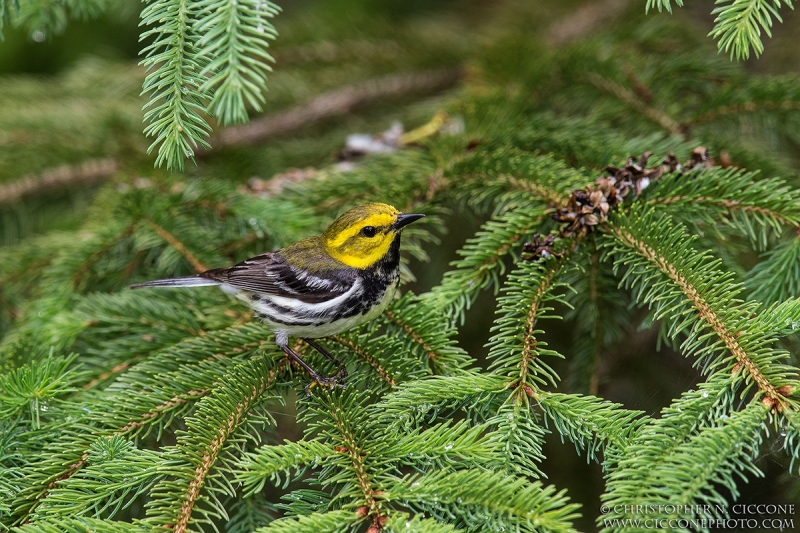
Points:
x=270, y=274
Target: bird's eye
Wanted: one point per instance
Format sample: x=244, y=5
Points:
x=368, y=231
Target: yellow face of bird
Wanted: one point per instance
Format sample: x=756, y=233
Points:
x=362, y=236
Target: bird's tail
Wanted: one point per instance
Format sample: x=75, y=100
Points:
x=186, y=281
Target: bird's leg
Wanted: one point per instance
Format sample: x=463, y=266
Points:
x=327, y=382
x=314, y=344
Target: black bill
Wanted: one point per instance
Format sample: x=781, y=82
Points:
x=405, y=220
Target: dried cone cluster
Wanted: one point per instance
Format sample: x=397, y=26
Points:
x=539, y=247
x=589, y=207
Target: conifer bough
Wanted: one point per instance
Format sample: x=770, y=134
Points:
x=209, y=59
x=171, y=417
x=429, y=439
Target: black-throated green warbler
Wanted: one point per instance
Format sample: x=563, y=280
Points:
x=321, y=285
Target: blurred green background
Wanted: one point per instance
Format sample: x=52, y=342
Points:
x=75, y=97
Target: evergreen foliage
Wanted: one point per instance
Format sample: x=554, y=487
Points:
x=132, y=411
x=207, y=60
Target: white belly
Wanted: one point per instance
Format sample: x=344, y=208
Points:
x=337, y=326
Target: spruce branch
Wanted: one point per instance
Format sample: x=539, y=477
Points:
x=417, y=409
x=735, y=444
x=249, y=513
x=147, y=397
x=267, y=463
x=503, y=179
x=367, y=358
x=50, y=464
x=117, y=473
x=657, y=440
x=9, y=10
x=136, y=323
x=429, y=351
x=233, y=40
x=330, y=522
x=352, y=436
x=420, y=330
x=444, y=445
x=176, y=107
x=779, y=319
x=514, y=349
x=696, y=469
x=592, y=424
x=583, y=21
x=481, y=264
x=80, y=525
x=404, y=523
x=633, y=100
x=736, y=197
x=589, y=207
x=739, y=24
x=775, y=95
x=519, y=435
x=163, y=386
x=385, y=352
x=599, y=313
x=144, y=399
x=657, y=249
x=475, y=392
x=166, y=409
x=30, y=388
x=115, y=238
x=334, y=191
x=50, y=18
x=141, y=407
x=215, y=420
x=661, y=5
x=178, y=245
x=777, y=277
x=487, y=498
x=791, y=436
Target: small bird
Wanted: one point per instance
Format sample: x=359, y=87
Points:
x=321, y=285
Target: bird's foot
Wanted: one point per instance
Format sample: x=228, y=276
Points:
x=332, y=381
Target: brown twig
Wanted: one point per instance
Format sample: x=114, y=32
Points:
x=594, y=380
x=630, y=98
x=352, y=449
x=209, y=458
x=772, y=395
x=191, y=395
x=583, y=20
x=116, y=369
x=327, y=105
x=746, y=107
x=733, y=205
x=178, y=245
x=431, y=353
x=335, y=103
x=548, y=195
x=78, y=275
x=371, y=361
x=84, y=174
x=530, y=351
